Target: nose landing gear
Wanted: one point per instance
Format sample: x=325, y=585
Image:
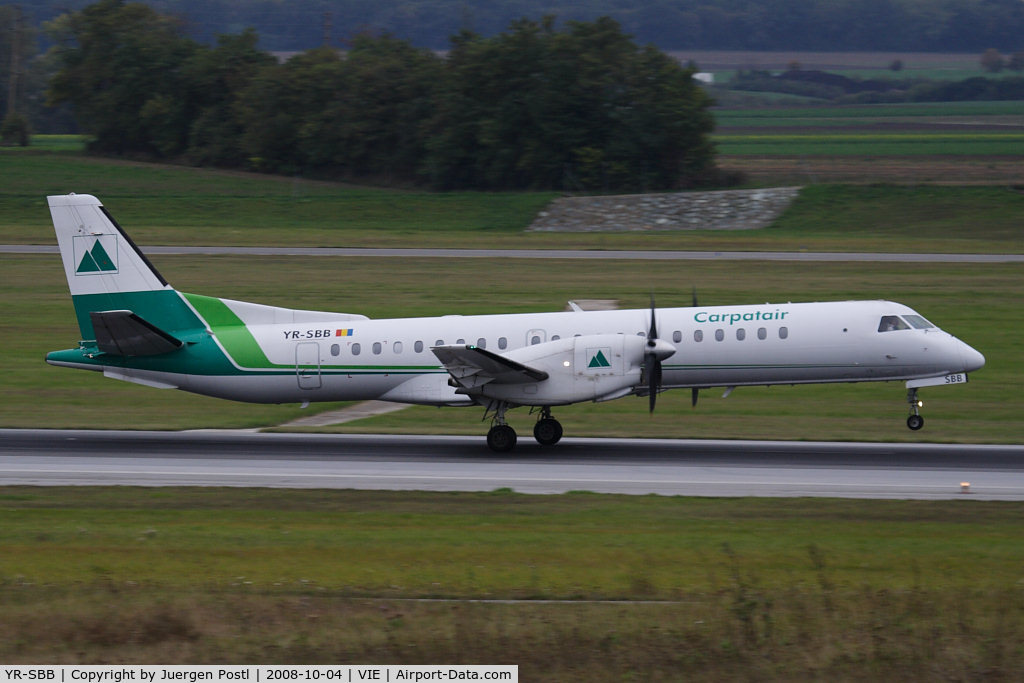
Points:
x=915, y=421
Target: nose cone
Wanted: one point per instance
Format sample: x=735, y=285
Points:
x=660, y=348
x=973, y=360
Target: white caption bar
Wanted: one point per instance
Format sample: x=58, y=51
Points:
x=256, y=673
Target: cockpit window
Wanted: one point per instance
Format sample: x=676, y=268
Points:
x=918, y=322
x=892, y=322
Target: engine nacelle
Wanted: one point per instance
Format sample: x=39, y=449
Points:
x=588, y=368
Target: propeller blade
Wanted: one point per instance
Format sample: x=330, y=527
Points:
x=652, y=368
x=693, y=397
x=652, y=333
x=695, y=296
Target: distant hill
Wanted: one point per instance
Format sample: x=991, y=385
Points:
x=868, y=25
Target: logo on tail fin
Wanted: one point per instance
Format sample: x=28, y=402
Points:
x=96, y=254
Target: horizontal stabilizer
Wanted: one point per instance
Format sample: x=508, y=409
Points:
x=122, y=333
x=472, y=366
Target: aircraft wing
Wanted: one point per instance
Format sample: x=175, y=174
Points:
x=122, y=333
x=472, y=366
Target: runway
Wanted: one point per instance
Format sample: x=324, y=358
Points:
x=447, y=463
x=642, y=255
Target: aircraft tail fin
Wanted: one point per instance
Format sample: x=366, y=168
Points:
x=99, y=257
x=107, y=273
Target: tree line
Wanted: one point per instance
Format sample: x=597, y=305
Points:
x=579, y=107
x=862, y=25
x=846, y=90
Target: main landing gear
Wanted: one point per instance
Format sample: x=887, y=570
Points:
x=915, y=421
x=547, y=430
x=501, y=438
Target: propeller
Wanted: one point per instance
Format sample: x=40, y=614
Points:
x=657, y=351
x=694, y=392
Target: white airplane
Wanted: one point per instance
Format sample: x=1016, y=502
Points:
x=136, y=327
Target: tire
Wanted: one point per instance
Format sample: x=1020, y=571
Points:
x=915, y=422
x=501, y=439
x=547, y=431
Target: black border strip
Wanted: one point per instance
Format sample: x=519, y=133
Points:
x=134, y=246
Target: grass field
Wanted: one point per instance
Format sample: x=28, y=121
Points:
x=714, y=589
x=874, y=144
x=979, y=113
x=174, y=205
x=734, y=590
x=987, y=129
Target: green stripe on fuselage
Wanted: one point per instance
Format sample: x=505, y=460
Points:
x=232, y=333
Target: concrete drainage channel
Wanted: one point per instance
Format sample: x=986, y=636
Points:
x=721, y=210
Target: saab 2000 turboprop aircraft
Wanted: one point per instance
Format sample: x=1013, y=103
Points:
x=136, y=327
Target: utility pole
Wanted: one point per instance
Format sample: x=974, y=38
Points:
x=12, y=83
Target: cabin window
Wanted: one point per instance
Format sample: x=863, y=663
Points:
x=677, y=336
x=555, y=337
x=460, y=341
x=698, y=335
x=397, y=348
x=762, y=333
x=439, y=342
x=890, y=323
x=418, y=347
x=918, y=322
x=741, y=334
x=783, y=333
x=356, y=349
x=377, y=348
x=534, y=340
x=481, y=343
x=502, y=343
x=719, y=334
x=335, y=350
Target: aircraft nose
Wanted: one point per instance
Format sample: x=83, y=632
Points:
x=973, y=360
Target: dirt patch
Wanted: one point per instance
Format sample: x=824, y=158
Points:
x=777, y=170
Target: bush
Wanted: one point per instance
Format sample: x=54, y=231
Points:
x=15, y=131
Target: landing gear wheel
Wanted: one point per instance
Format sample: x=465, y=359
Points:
x=501, y=438
x=547, y=431
x=915, y=422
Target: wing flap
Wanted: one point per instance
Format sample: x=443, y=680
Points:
x=472, y=366
x=122, y=333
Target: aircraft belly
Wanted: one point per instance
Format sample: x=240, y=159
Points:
x=284, y=387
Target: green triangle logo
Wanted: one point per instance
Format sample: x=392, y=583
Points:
x=598, y=360
x=88, y=264
x=103, y=260
x=96, y=260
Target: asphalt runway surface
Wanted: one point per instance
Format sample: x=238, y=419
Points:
x=449, y=463
x=555, y=254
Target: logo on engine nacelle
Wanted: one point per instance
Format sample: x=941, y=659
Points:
x=598, y=358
